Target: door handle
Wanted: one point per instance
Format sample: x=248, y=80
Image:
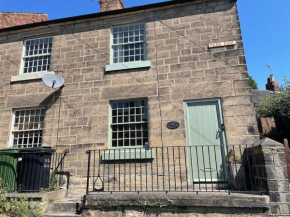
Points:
x=220, y=130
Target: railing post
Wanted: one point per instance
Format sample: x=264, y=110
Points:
x=88, y=173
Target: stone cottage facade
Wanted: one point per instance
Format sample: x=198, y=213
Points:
x=142, y=65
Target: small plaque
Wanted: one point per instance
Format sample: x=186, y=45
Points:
x=173, y=125
x=222, y=44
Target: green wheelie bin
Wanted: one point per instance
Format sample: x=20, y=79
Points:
x=8, y=168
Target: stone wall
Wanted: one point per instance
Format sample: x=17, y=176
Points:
x=182, y=68
x=270, y=174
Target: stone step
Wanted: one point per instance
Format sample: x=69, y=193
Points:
x=60, y=214
x=65, y=206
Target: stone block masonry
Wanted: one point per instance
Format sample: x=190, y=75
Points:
x=271, y=175
x=183, y=67
x=176, y=204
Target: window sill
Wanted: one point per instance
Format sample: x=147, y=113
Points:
x=30, y=76
x=129, y=65
x=128, y=154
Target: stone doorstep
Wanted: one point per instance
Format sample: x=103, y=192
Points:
x=189, y=200
x=66, y=206
x=40, y=196
x=58, y=214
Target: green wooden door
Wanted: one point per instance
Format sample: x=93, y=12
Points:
x=205, y=139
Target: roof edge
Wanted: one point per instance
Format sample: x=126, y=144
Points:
x=98, y=15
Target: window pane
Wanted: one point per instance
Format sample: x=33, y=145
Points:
x=27, y=130
x=36, y=64
x=37, y=55
x=129, y=128
x=123, y=35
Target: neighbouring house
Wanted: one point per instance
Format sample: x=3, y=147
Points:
x=9, y=19
x=271, y=87
x=267, y=126
x=156, y=99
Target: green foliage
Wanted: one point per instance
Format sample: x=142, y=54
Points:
x=253, y=83
x=159, y=204
x=268, y=107
x=17, y=207
x=278, y=107
x=232, y=157
x=51, y=199
x=52, y=184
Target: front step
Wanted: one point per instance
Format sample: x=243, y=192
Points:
x=65, y=206
x=60, y=214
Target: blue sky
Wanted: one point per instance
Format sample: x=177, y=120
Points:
x=264, y=27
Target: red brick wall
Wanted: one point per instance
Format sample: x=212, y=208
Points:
x=16, y=19
x=110, y=5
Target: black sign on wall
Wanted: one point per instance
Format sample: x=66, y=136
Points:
x=172, y=125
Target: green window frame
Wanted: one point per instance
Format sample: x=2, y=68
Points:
x=129, y=124
x=128, y=47
x=128, y=43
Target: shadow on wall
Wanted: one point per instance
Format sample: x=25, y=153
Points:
x=49, y=101
x=244, y=170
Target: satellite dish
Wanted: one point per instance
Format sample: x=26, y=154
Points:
x=53, y=81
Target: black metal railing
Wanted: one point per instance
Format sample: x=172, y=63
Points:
x=57, y=171
x=31, y=171
x=175, y=169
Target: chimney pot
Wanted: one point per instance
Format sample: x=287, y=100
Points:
x=272, y=77
x=272, y=85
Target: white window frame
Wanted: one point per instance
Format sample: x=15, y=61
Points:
x=13, y=122
x=23, y=55
x=114, y=45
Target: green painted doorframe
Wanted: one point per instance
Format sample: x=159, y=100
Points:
x=206, y=144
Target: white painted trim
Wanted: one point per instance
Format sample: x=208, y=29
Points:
x=10, y=145
x=23, y=51
x=30, y=76
x=22, y=58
